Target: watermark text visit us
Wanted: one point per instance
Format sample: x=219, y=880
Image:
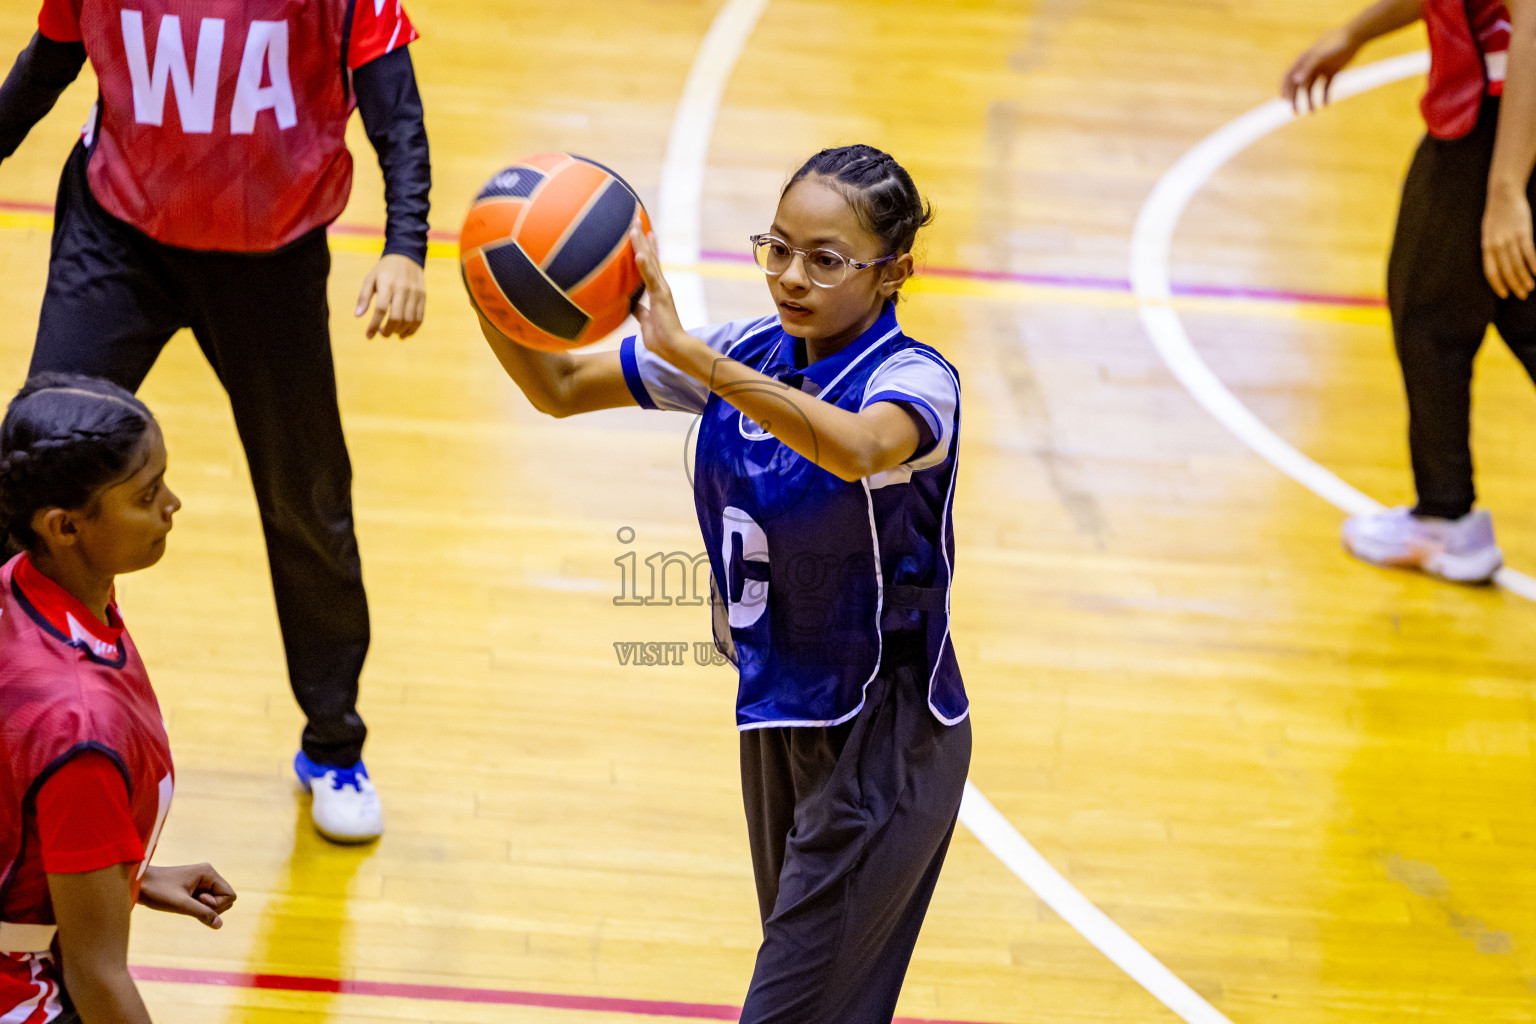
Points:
x=691, y=572
x=655, y=653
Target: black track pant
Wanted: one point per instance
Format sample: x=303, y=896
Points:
x=115, y=297
x=1441, y=307
x=849, y=826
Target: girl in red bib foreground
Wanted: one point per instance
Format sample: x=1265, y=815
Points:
x=85, y=767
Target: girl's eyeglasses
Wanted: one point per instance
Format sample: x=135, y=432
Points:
x=827, y=268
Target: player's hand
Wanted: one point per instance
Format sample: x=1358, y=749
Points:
x=195, y=890
x=1509, y=254
x=1326, y=58
x=660, y=325
x=397, y=287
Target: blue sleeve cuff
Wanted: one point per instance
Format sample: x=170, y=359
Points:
x=632, y=378
x=927, y=411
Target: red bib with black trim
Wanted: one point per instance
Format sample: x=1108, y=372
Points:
x=68, y=684
x=221, y=123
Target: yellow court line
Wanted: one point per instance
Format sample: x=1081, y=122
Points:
x=26, y=221
x=995, y=291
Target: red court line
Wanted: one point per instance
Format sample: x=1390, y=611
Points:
x=15, y=207
x=1087, y=283
x=453, y=994
x=1279, y=295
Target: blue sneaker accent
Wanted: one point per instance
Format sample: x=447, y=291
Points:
x=309, y=771
x=345, y=807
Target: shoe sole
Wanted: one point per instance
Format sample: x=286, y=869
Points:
x=345, y=840
x=1477, y=567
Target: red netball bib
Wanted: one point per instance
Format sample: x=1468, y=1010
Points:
x=222, y=123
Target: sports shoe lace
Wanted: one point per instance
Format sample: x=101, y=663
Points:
x=340, y=778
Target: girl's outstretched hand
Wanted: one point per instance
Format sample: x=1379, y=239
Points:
x=1322, y=63
x=659, y=324
x=195, y=890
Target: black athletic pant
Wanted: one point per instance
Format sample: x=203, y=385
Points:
x=1441, y=307
x=115, y=297
x=849, y=826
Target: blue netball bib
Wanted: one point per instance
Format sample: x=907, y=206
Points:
x=810, y=571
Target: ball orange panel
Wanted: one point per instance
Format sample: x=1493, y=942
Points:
x=602, y=325
x=491, y=220
x=546, y=162
x=559, y=202
x=613, y=284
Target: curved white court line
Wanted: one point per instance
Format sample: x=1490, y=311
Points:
x=1150, y=248
x=678, y=209
x=679, y=216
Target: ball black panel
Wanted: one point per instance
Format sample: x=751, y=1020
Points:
x=516, y=182
x=600, y=232
x=532, y=294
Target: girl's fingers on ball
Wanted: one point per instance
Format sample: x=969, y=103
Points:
x=648, y=272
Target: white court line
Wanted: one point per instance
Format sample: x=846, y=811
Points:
x=678, y=210
x=1150, y=246
x=998, y=835
x=679, y=217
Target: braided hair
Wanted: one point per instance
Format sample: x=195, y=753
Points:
x=878, y=188
x=63, y=439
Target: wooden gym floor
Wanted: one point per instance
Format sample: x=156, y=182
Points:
x=1306, y=786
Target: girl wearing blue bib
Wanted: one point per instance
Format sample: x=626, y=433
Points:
x=824, y=481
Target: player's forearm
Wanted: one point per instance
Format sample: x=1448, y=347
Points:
x=40, y=75
x=1514, y=147
x=104, y=995
x=561, y=383
x=839, y=441
x=542, y=376
x=390, y=106
x=1383, y=17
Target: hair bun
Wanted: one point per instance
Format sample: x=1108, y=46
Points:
x=64, y=437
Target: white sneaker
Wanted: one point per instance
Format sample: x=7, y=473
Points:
x=346, y=807
x=1461, y=550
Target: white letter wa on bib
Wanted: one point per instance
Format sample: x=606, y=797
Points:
x=195, y=90
x=266, y=45
x=265, y=57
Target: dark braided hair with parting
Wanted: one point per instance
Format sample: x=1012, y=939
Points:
x=63, y=439
x=879, y=189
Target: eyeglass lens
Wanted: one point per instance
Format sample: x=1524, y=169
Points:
x=824, y=266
